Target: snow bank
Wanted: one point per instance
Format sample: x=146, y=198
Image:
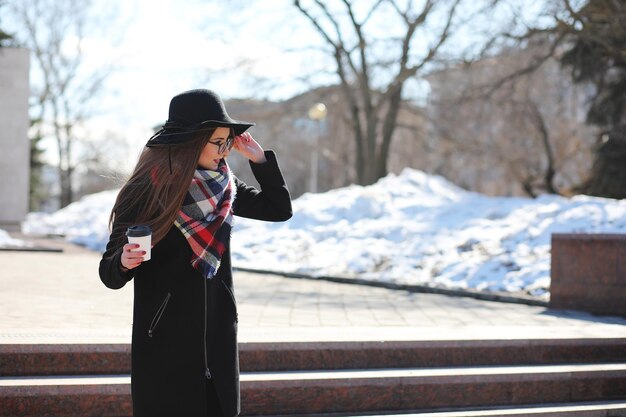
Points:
x=6, y=241
x=84, y=222
x=421, y=229
x=412, y=228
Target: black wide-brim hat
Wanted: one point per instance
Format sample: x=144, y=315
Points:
x=192, y=111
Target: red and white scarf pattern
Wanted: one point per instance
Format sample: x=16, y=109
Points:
x=206, y=218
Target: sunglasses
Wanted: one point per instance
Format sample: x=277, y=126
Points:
x=223, y=146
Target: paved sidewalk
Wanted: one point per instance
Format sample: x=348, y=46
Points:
x=58, y=298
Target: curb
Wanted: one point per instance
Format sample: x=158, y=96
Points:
x=29, y=249
x=486, y=296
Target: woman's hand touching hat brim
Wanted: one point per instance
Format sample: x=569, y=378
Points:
x=250, y=148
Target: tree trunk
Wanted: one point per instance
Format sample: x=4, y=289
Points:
x=66, y=188
x=389, y=126
x=548, y=178
x=360, y=151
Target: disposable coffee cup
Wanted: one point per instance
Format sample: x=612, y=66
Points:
x=141, y=235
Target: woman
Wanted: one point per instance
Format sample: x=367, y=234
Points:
x=184, y=343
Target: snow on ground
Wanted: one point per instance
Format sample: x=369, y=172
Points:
x=413, y=228
x=6, y=241
x=84, y=222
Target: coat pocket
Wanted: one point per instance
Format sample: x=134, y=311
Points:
x=158, y=315
x=232, y=297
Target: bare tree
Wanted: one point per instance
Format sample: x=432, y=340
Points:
x=63, y=90
x=588, y=38
x=356, y=51
x=528, y=135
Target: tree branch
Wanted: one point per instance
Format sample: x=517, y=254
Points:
x=528, y=69
x=372, y=10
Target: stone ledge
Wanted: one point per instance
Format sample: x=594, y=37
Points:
x=331, y=392
x=588, y=273
x=80, y=359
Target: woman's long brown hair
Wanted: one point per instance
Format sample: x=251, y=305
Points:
x=153, y=195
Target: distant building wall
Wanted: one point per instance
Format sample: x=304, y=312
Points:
x=14, y=142
x=285, y=126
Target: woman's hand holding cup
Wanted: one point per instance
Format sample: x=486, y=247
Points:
x=132, y=255
x=138, y=248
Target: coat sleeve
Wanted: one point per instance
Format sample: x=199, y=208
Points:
x=272, y=202
x=110, y=265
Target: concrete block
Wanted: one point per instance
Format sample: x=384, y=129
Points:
x=589, y=273
x=14, y=141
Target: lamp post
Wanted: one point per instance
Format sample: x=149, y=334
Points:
x=317, y=113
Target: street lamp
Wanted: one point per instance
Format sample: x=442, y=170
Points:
x=317, y=113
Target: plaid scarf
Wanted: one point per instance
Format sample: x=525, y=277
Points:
x=206, y=218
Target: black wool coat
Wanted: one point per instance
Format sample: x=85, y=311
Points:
x=184, y=326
